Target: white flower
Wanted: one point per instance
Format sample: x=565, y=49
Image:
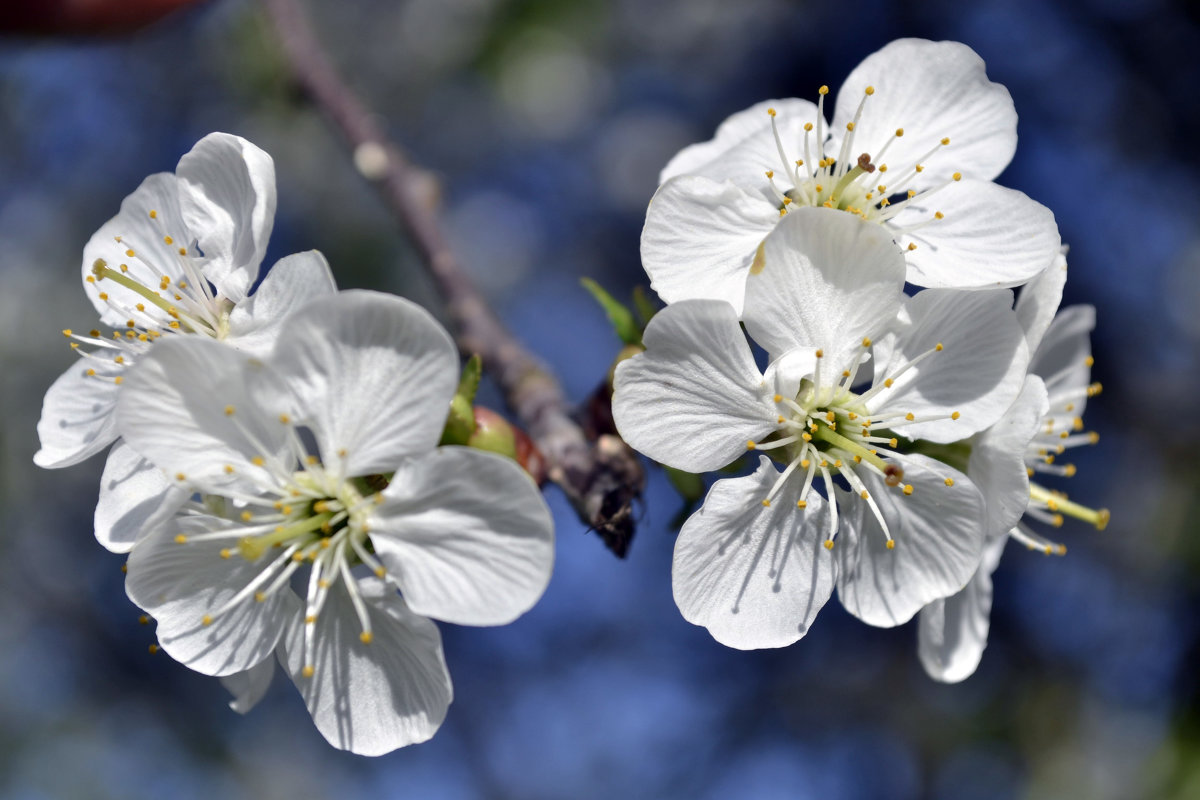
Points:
x=1043, y=422
x=366, y=379
x=855, y=366
x=179, y=257
x=918, y=135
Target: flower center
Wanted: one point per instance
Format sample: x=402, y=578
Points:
x=859, y=186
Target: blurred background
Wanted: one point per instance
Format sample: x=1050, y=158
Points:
x=548, y=121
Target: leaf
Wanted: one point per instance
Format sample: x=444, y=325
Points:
x=618, y=314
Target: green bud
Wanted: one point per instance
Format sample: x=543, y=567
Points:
x=493, y=433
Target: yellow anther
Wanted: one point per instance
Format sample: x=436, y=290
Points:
x=829, y=415
x=153, y=649
x=949, y=481
x=850, y=126
x=1089, y=361
x=891, y=544
x=870, y=90
x=285, y=419
x=808, y=126
x=910, y=416
x=130, y=323
x=821, y=353
x=183, y=252
x=104, y=296
x=771, y=112
x=866, y=342
x=229, y=469
x=153, y=214
x=766, y=503
x=779, y=419
x=750, y=445
x=247, y=516
x=908, y=489
x=260, y=597
x=308, y=671
x=938, y=347
x=955, y=415
x=67, y=332
x=140, y=306
x=1102, y=518
x=808, y=436
x=130, y=253
x=957, y=176
x=174, y=324
x=770, y=173
x=168, y=240
x=846, y=374
x=342, y=453
x=118, y=380
x=1057, y=520
x=829, y=544
x=311, y=459
x=893, y=443
x=226, y=552
x=801, y=504
x=888, y=382
x=179, y=476
x=229, y=411
x=257, y=461
x=805, y=464
x=938, y=215
x=180, y=539
x=823, y=90
x=93, y=332
x=883, y=167
x=884, y=202
x=206, y=620
x=919, y=167
x=945, y=141
x=287, y=510
x=323, y=583
x=899, y=131
x=851, y=415
x=864, y=494
x=379, y=571
x=365, y=637
x=1069, y=470
x=91, y=373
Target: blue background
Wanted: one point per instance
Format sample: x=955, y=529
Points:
x=548, y=123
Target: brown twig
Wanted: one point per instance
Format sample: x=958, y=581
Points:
x=601, y=478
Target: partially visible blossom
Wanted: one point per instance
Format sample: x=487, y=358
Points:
x=322, y=457
x=918, y=135
x=1042, y=424
x=855, y=367
x=179, y=258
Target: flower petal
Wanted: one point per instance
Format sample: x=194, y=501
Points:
x=370, y=373
x=372, y=698
x=466, y=535
x=1039, y=299
x=978, y=373
x=249, y=686
x=755, y=577
x=133, y=229
x=744, y=148
x=952, y=633
x=294, y=281
x=1062, y=357
x=997, y=462
x=179, y=584
x=694, y=398
x=991, y=236
x=187, y=408
x=77, y=414
x=938, y=531
x=827, y=279
x=227, y=195
x=701, y=237
x=135, y=499
x=931, y=90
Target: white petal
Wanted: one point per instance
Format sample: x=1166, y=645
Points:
x=978, y=373
x=249, y=686
x=175, y=408
x=372, y=374
x=1062, y=357
x=938, y=531
x=952, y=633
x=227, y=194
x=754, y=576
x=991, y=236
x=700, y=239
x=152, y=257
x=827, y=279
x=997, y=463
x=931, y=90
x=1038, y=301
x=744, y=147
x=372, y=698
x=294, y=281
x=466, y=535
x=694, y=398
x=77, y=414
x=135, y=499
x=178, y=584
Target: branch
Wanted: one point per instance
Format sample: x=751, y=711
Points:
x=600, y=478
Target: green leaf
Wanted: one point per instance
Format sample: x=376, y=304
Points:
x=460, y=424
x=468, y=384
x=618, y=314
x=644, y=306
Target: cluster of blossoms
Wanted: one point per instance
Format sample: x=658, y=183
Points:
x=896, y=431
x=275, y=474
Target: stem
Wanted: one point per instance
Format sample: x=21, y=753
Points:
x=601, y=478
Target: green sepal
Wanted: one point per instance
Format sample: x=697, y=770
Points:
x=460, y=424
x=644, y=306
x=619, y=315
